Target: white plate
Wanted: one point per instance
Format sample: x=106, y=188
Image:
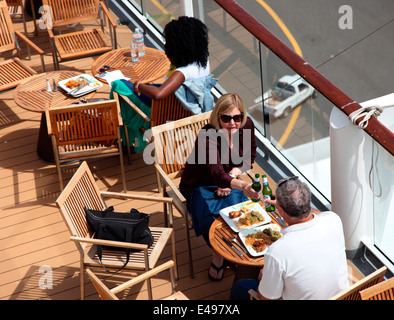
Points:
x=234, y=224
x=93, y=85
x=244, y=232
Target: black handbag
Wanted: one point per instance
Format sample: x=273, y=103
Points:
x=118, y=226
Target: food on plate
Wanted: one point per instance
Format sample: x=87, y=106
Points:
x=273, y=234
x=261, y=239
x=259, y=245
x=251, y=218
x=234, y=214
x=75, y=83
x=247, y=206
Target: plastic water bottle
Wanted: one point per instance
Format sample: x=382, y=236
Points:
x=138, y=38
x=134, y=52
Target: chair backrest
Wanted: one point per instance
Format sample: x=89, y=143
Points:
x=102, y=289
x=81, y=191
x=13, y=3
x=64, y=12
x=174, y=141
x=381, y=291
x=84, y=126
x=353, y=292
x=167, y=109
x=7, y=36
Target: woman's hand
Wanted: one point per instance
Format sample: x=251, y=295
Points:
x=223, y=192
x=245, y=186
x=248, y=190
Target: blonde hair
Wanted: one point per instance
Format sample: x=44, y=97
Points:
x=227, y=102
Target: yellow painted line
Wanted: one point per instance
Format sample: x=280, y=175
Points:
x=297, y=50
x=160, y=6
x=290, y=126
x=280, y=23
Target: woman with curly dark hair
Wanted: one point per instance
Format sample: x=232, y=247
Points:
x=186, y=47
x=189, y=78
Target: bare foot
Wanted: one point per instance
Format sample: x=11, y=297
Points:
x=216, y=269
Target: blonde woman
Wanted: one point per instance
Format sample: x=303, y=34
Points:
x=225, y=148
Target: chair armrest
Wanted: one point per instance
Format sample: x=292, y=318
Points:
x=136, y=196
x=253, y=294
x=29, y=43
x=146, y=275
x=168, y=181
x=106, y=12
x=135, y=108
x=33, y=46
x=120, y=244
x=48, y=119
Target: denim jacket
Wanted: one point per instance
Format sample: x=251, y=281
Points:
x=195, y=94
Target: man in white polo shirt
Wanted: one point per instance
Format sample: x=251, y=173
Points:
x=309, y=261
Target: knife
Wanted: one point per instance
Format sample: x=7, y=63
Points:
x=230, y=245
x=239, y=245
x=278, y=219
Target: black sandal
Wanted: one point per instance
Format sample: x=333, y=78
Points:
x=218, y=269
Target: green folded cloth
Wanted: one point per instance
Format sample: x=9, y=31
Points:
x=131, y=119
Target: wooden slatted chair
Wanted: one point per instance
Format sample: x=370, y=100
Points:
x=162, y=111
x=73, y=45
x=14, y=6
x=17, y=8
x=13, y=71
x=381, y=291
x=82, y=191
x=110, y=294
x=85, y=131
x=353, y=292
x=168, y=141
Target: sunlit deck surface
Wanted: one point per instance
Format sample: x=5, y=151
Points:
x=32, y=232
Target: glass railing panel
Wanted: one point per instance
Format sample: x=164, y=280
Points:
x=298, y=120
x=234, y=57
x=162, y=11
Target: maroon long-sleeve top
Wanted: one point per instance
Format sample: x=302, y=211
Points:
x=212, y=159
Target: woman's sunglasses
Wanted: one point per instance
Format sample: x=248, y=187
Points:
x=226, y=118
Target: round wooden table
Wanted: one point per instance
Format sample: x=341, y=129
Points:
x=31, y=95
x=150, y=67
x=220, y=229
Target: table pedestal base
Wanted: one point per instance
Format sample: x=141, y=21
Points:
x=44, y=144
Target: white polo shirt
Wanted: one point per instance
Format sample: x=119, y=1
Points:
x=308, y=262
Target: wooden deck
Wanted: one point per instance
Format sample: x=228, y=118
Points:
x=33, y=236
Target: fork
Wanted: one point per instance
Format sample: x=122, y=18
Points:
x=239, y=245
x=79, y=88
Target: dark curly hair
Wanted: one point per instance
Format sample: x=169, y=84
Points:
x=186, y=42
